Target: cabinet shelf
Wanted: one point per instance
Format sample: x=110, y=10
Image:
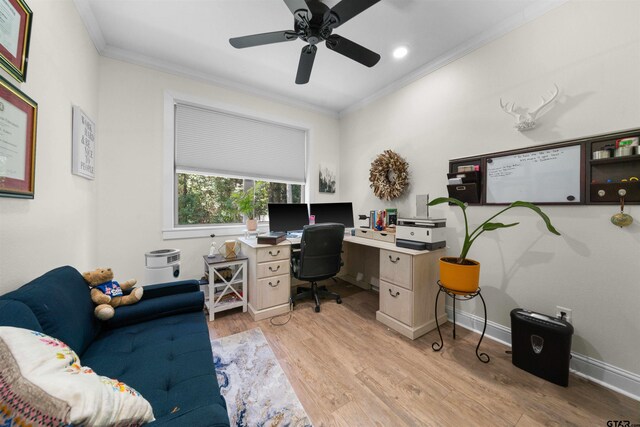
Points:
x=613, y=160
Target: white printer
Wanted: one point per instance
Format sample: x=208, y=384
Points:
x=421, y=233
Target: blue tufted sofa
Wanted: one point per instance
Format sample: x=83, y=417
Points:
x=159, y=346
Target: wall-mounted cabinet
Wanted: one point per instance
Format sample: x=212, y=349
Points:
x=611, y=170
x=590, y=170
x=465, y=181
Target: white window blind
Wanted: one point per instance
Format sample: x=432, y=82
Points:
x=219, y=143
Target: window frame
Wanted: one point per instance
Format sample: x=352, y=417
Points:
x=170, y=230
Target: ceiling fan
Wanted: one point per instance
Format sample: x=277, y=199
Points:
x=314, y=22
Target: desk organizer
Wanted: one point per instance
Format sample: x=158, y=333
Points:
x=368, y=233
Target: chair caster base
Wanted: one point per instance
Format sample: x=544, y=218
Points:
x=317, y=309
x=339, y=301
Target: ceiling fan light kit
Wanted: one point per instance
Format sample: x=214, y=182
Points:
x=314, y=23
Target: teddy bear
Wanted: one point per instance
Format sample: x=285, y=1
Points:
x=108, y=294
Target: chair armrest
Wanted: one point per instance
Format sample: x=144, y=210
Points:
x=170, y=288
x=161, y=306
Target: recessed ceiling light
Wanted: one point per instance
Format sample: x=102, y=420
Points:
x=400, y=52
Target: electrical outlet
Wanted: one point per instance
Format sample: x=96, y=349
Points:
x=566, y=311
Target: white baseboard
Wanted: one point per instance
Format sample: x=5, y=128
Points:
x=602, y=373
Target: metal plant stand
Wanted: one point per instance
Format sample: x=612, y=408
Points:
x=457, y=296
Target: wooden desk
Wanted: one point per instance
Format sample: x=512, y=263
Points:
x=406, y=280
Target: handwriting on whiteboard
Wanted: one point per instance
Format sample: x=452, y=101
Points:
x=519, y=160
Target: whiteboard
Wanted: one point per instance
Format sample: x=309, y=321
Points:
x=545, y=176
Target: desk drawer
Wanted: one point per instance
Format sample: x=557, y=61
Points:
x=384, y=236
x=395, y=268
x=273, y=268
x=396, y=302
x=273, y=253
x=367, y=233
x=273, y=291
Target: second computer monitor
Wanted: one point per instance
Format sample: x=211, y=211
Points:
x=288, y=216
x=341, y=213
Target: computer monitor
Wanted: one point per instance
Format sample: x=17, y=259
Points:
x=288, y=217
x=341, y=213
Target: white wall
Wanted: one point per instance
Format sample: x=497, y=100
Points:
x=58, y=226
x=592, y=51
x=130, y=189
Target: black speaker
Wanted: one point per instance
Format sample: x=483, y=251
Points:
x=541, y=345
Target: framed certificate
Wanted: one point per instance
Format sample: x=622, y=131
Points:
x=15, y=32
x=18, y=118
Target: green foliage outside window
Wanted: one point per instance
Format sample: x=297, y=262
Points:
x=213, y=199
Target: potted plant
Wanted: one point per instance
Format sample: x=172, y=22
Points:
x=246, y=204
x=461, y=273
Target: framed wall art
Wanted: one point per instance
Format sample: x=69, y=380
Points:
x=15, y=32
x=327, y=178
x=84, y=145
x=18, y=120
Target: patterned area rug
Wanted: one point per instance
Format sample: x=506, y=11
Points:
x=253, y=383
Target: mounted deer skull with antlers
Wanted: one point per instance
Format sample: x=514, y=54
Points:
x=527, y=120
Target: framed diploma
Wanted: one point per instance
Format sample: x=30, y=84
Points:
x=15, y=32
x=18, y=118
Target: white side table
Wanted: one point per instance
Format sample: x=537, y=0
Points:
x=227, y=283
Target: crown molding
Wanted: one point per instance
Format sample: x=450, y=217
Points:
x=91, y=24
x=532, y=12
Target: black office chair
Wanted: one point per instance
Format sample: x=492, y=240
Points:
x=319, y=259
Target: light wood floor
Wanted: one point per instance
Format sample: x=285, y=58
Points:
x=350, y=370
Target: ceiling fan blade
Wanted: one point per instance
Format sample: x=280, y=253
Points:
x=352, y=50
x=305, y=65
x=294, y=5
x=319, y=11
x=264, y=38
x=347, y=9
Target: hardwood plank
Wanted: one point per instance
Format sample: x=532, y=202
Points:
x=350, y=370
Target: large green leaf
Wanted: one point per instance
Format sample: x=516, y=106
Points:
x=490, y=226
x=537, y=210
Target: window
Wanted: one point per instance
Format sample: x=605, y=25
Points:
x=213, y=155
x=206, y=199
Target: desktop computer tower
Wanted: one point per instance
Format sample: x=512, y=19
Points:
x=541, y=345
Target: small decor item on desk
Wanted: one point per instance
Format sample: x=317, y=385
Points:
x=230, y=249
x=108, y=294
x=272, y=238
x=248, y=204
x=391, y=216
x=380, y=224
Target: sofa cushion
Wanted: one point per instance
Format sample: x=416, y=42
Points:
x=43, y=383
x=62, y=304
x=15, y=313
x=169, y=361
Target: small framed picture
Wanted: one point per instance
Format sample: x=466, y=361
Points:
x=327, y=178
x=18, y=120
x=83, y=161
x=15, y=32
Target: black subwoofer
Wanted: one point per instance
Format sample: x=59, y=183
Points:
x=541, y=345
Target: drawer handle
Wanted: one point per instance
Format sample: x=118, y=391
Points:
x=391, y=293
x=383, y=234
x=276, y=254
x=363, y=231
x=272, y=285
x=272, y=270
x=391, y=259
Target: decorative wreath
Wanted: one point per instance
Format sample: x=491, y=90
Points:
x=389, y=175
